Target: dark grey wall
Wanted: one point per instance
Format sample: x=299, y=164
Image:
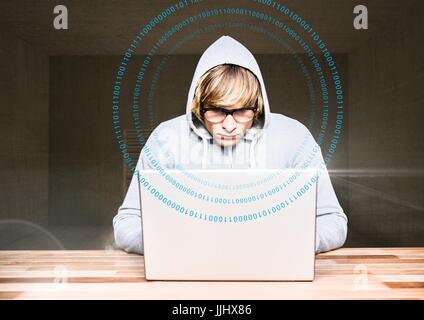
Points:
x=24, y=140
x=85, y=166
x=386, y=143
x=24, y=130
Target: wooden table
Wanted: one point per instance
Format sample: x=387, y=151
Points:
x=347, y=273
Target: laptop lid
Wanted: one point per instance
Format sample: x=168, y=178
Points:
x=229, y=224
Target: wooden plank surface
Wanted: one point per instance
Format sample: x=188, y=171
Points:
x=347, y=273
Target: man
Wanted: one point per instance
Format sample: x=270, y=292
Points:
x=228, y=124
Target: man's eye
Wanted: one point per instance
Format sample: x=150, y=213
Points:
x=218, y=111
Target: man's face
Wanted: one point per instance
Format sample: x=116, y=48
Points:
x=228, y=132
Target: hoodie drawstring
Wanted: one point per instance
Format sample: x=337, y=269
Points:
x=252, y=154
x=205, y=152
x=231, y=156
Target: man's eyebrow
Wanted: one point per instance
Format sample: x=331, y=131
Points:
x=211, y=106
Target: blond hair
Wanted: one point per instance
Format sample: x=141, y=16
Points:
x=227, y=84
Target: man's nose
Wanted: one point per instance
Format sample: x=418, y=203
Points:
x=229, y=124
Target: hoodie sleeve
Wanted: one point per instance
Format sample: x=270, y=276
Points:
x=331, y=222
x=127, y=222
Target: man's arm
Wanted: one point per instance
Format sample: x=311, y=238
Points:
x=127, y=222
x=331, y=222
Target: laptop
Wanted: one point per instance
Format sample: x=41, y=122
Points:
x=233, y=225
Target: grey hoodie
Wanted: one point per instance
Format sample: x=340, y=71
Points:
x=273, y=142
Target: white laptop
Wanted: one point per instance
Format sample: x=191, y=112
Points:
x=229, y=224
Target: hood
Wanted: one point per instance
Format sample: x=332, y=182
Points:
x=227, y=50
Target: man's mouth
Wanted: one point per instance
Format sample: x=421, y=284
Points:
x=227, y=137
